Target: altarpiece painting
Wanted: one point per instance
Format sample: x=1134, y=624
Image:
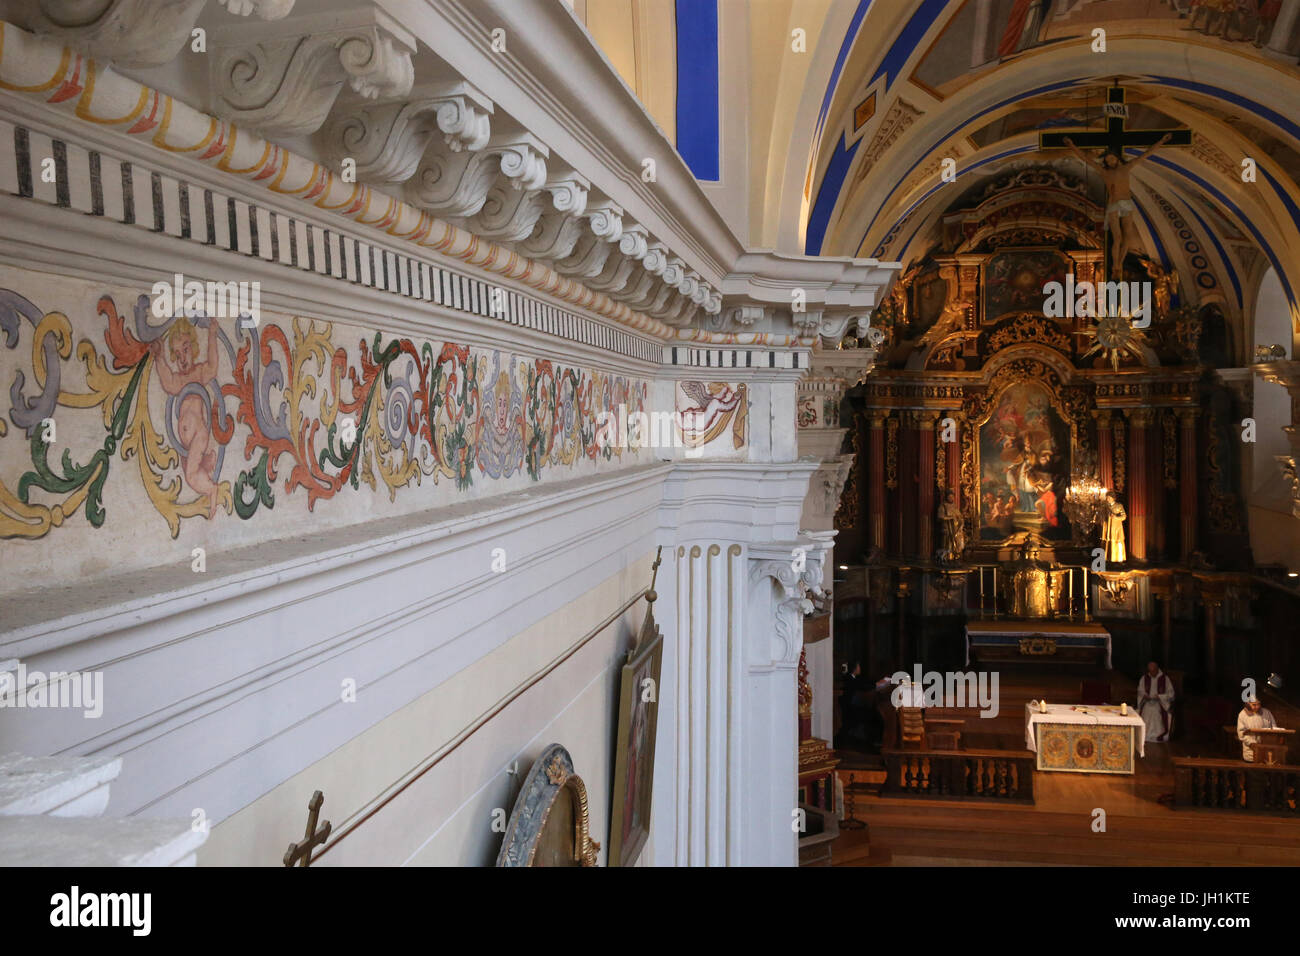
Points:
x=1024, y=460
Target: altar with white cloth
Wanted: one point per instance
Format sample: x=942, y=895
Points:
x=1038, y=641
x=1079, y=738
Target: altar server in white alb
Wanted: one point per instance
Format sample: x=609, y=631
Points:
x=1254, y=716
x=1155, y=703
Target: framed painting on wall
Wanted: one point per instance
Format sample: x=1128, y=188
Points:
x=1024, y=466
x=634, y=763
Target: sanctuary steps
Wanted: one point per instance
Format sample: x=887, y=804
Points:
x=946, y=830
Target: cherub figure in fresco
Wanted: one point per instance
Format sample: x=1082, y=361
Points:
x=176, y=358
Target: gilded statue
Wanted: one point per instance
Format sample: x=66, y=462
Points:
x=1112, y=530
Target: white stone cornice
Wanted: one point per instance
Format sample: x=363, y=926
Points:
x=655, y=260
x=300, y=99
x=746, y=316
x=674, y=272
x=634, y=243
x=464, y=115
x=508, y=214
x=568, y=193
x=453, y=184
x=554, y=236
x=130, y=33
x=522, y=160
x=614, y=277
x=833, y=327
x=844, y=367
x=588, y=258
x=265, y=9
x=638, y=286
x=689, y=284
x=807, y=323
x=591, y=251
x=388, y=140
x=287, y=85
x=605, y=219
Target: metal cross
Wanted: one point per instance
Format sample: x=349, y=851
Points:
x=312, y=838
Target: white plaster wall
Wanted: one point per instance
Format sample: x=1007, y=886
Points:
x=445, y=816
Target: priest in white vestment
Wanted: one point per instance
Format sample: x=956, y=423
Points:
x=1155, y=703
x=1253, y=716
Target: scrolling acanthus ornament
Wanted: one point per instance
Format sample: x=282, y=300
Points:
x=794, y=600
x=288, y=85
x=132, y=33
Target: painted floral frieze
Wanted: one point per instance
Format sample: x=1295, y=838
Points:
x=223, y=417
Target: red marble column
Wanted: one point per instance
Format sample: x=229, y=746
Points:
x=876, y=479
x=1118, y=454
x=1105, y=451
x=905, y=500
x=1139, y=420
x=925, y=484
x=1155, y=488
x=1188, y=476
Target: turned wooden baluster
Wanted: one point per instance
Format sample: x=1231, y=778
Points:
x=1014, y=782
x=1198, y=787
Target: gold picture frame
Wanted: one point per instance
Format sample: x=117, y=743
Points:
x=550, y=822
x=638, y=713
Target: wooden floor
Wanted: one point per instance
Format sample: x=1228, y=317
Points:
x=1059, y=829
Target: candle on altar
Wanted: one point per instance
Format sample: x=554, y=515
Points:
x=1123, y=708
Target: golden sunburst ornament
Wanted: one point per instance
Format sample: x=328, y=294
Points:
x=1113, y=335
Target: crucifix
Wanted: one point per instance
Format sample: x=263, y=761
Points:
x=312, y=838
x=1114, y=170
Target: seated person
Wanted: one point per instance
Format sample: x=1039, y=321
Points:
x=1252, y=717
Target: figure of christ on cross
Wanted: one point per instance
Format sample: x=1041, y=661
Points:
x=1115, y=173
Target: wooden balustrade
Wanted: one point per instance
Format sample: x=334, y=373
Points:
x=960, y=774
x=1236, y=786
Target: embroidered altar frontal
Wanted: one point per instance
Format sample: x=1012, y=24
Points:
x=1085, y=748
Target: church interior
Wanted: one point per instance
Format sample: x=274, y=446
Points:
x=856, y=433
